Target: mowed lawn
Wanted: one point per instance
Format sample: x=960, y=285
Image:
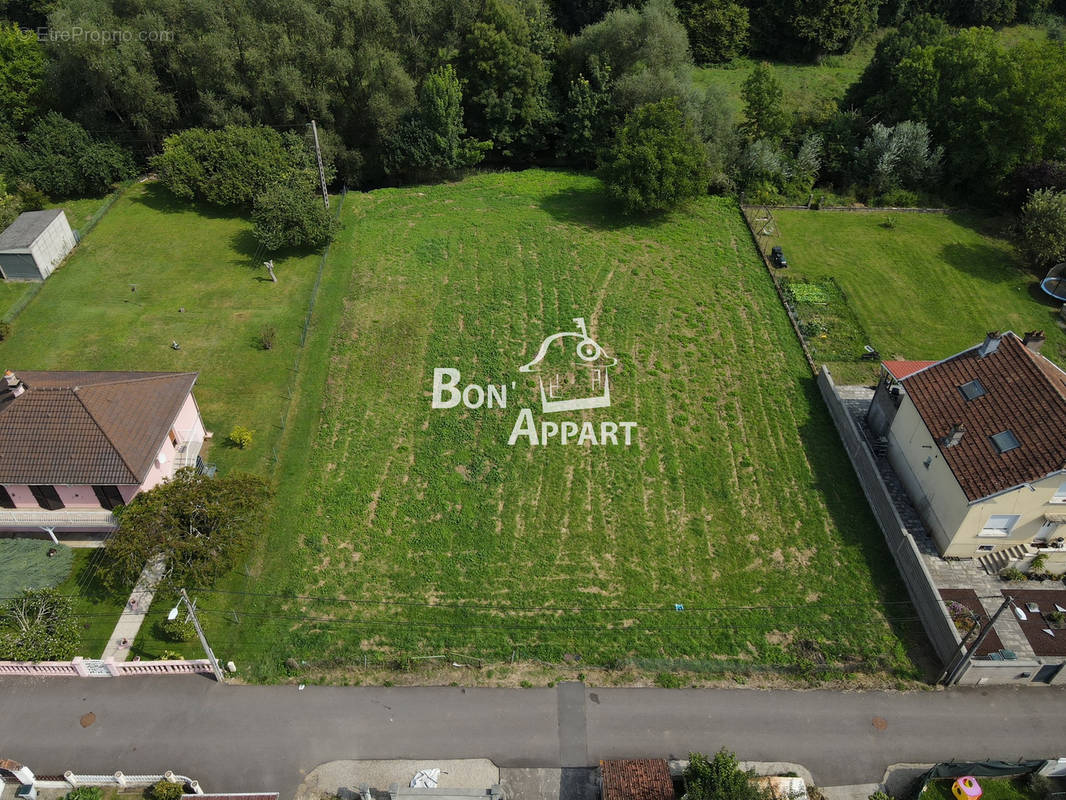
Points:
x=421, y=531
x=156, y=271
x=924, y=286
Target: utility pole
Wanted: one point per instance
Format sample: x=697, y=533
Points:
x=954, y=673
x=199, y=632
x=321, y=171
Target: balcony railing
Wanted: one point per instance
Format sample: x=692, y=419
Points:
x=62, y=518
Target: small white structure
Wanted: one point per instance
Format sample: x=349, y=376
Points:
x=35, y=244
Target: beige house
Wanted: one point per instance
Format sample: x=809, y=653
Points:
x=979, y=442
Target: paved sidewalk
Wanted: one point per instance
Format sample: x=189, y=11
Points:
x=129, y=623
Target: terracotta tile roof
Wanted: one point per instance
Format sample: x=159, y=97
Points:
x=637, y=779
x=901, y=369
x=1023, y=393
x=95, y=428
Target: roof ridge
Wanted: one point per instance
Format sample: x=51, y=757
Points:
x=1034, y=366
x=150, y=377
x=105, y=434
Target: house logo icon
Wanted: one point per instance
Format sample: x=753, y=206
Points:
x=577, y=382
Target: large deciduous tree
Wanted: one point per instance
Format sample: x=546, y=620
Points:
x=657, y=160
x=504, y=78
x=38, y=625
x=287, y=215
x=201, y=527
x=717, y=29
x=803, y=29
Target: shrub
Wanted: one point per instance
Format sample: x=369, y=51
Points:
x=33, y=199
x=85, y=793
x=171, y=655
x=1038, y=786
x=166, y=790
x=898, y=198
x=1012, y=574
x=266, y=337
x=1038, y=563
x=177, y=630
x=241, y=436
x=38, y=625
x=668, y=680
x=60, y=158
x=5, y=330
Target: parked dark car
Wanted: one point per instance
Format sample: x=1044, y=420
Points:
x=777, y=258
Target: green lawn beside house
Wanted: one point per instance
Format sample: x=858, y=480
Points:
x=96, y=608
x=157, y=271
x=923, y=286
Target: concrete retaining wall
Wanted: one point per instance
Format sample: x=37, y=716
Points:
x=923, y=593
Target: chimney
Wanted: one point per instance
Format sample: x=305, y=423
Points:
x=954, y=436
x=16, y=386
x=1034, y=340
x=990, y=344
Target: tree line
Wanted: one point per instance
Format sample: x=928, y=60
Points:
x=413, y=91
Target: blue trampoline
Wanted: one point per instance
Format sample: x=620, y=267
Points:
x=1055, y=282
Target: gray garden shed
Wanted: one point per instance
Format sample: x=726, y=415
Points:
x=34, y=245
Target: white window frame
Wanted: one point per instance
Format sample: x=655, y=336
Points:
x=1001, y=530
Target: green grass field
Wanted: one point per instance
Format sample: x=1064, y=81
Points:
x=806, y=87
x=420, y=531
x=155, y=271
x=813, y=87
x=97, y=609
x=924, y=286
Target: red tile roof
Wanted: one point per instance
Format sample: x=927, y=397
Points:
x=637, y=779
x=91, y=428
x=901, y=369
x=1024, y=393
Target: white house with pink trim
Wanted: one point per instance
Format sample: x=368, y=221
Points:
x=74, y=445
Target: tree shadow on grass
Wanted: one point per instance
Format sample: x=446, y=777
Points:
x=849, y=511
x=158, y=198
x=980, y=261
x=592, y=208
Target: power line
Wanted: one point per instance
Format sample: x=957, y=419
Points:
x=572, y=609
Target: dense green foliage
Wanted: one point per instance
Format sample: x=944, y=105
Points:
x=763, y=115
x=657, y=160
x=200, y=526
x=720, y=778
x=288, y=215
x=21, y=74
x=1041, y=234
x=38, y=625
x=231, y=166
x=59, y=157
x=717, y=29
x=431, y=139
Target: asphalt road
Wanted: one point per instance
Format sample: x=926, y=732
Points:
x=259, y=737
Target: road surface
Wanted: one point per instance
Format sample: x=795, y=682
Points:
x=235, y=738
